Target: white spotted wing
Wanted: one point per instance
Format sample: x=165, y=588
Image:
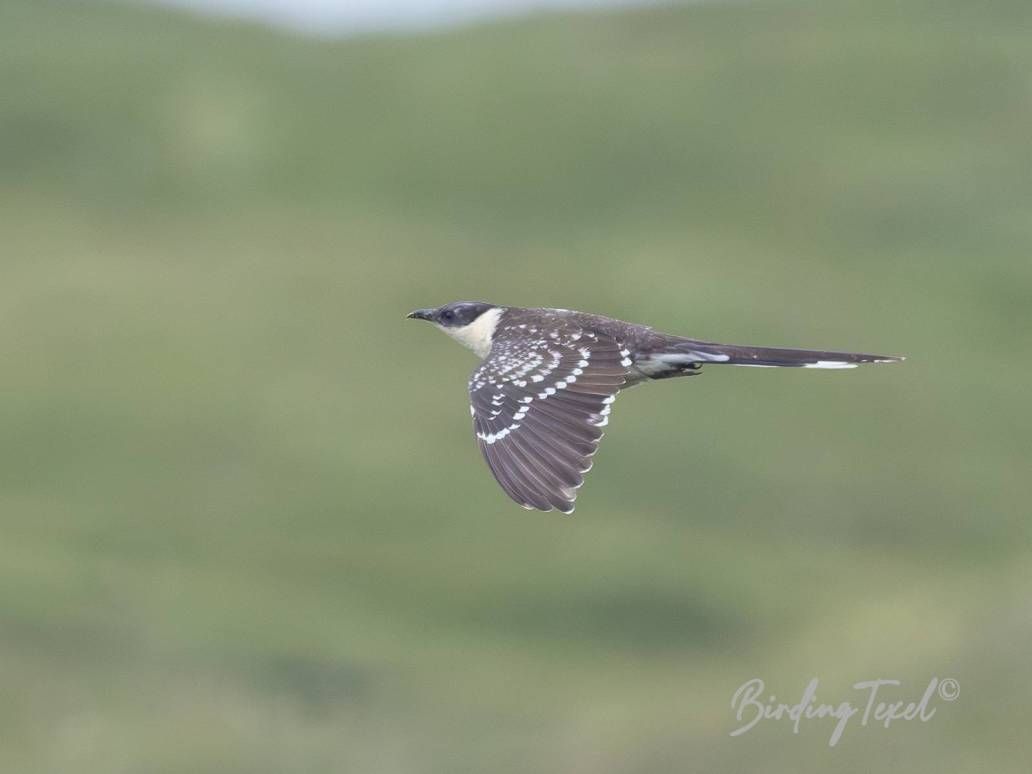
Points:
x=539, y=405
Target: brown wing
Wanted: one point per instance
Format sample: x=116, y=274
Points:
x=538, y=406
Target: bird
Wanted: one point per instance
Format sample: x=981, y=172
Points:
x=547, y=380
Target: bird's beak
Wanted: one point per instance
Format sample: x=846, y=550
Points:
x=421, y=314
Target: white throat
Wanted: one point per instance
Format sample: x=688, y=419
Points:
x=479, y=334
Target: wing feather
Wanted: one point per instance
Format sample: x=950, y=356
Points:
x=538, y=408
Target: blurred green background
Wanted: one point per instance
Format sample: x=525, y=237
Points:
x=244, y=524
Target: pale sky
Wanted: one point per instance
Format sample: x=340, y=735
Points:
x=347, y=16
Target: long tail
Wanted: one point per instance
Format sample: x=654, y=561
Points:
x=686, y=351
x=771, y=357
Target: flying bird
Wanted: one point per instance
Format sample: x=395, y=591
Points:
x=548, y=377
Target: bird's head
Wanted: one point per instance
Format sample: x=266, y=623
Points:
x=471, y=323
x=457, y=314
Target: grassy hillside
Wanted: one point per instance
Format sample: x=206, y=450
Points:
x=245, y=528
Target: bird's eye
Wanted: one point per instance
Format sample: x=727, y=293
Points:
x=447, y=315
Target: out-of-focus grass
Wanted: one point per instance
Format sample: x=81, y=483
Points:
x=244, y=524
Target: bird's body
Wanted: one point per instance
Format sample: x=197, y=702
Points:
x=549, y=377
